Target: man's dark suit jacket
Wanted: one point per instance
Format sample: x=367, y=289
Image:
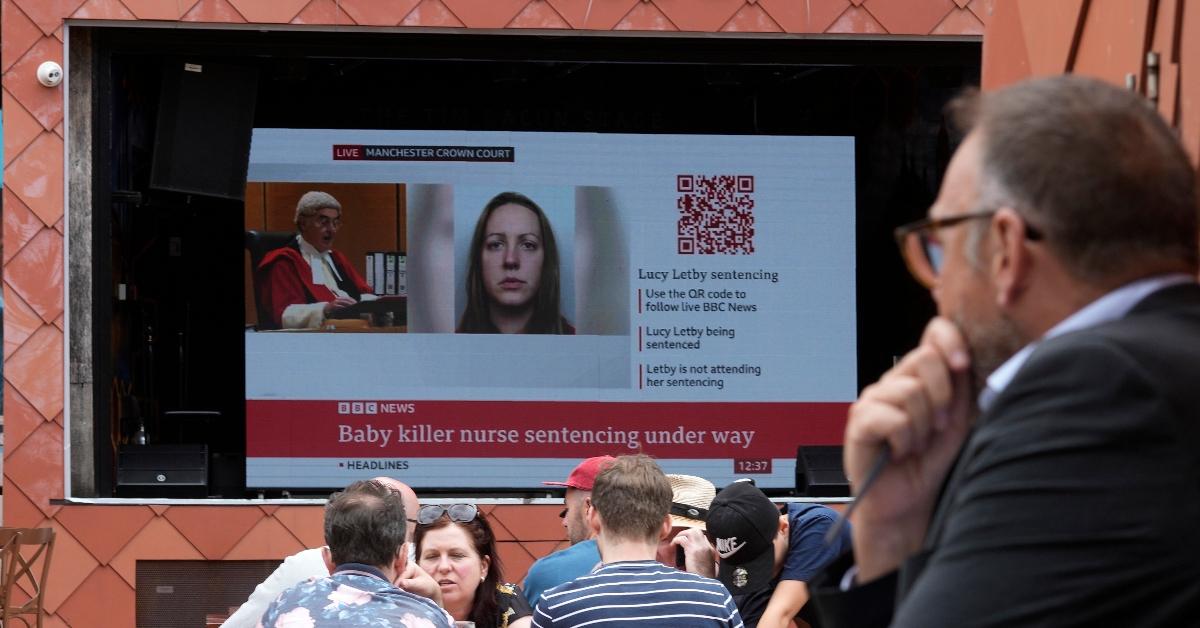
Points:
x=1076, y=499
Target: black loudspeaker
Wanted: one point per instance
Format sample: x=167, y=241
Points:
x=162, y=471
x=205, y=120
x=227, y=475
x=819, y=471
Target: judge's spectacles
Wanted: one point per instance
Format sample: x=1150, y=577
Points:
x=326, y=221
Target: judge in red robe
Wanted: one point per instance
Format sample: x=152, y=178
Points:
x=303, y=282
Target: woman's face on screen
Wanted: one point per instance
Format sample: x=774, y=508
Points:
x=512, y=256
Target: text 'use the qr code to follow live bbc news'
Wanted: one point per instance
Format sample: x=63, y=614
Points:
x=716, y=214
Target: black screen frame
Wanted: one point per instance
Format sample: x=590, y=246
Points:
x=786, y=85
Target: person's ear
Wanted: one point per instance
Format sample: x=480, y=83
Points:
x=401, y=559
x=593, y=519
x=327, y=556
x=665, y=529
x=783, y=525
x=1011, y=257
x=484, y=564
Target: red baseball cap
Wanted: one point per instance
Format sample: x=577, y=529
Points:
x=583, y=477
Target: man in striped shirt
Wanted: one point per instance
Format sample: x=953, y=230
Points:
x=631, y=500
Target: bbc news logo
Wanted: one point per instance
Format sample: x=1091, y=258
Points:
x=358, y=407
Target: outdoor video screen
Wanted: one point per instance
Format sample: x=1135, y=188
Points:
x=488, y=308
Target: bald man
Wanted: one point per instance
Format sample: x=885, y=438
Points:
x=316, y=563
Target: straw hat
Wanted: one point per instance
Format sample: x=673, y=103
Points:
x=690, y=499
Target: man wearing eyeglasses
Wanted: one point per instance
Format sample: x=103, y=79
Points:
x=306, y=281
x=1040, y=448
x=315, y=563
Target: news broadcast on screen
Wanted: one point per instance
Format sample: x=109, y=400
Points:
x=532, y=299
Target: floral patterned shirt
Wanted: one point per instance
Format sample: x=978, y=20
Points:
x=354, y=595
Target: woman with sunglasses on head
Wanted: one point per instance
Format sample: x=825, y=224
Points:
x=456, y=547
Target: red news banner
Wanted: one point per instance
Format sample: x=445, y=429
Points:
x=537, y=429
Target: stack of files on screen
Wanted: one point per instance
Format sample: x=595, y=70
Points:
x=387, y=273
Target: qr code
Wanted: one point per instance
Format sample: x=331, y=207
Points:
x=716, y=214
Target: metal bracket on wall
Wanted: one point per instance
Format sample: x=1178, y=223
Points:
x=1152, y=69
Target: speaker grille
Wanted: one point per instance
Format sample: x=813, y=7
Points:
x=205, y=120
x=182, y=593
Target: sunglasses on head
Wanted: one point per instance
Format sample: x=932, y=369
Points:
x=461, y=513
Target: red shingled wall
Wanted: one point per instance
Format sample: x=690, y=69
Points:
x=92, y=583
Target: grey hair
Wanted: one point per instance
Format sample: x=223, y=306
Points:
x=313, y=202
x=993, y=194
x=1095, y=169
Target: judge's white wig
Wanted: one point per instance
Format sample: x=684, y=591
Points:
x=313, y=202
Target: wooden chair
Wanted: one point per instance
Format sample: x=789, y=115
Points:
x=28, y=569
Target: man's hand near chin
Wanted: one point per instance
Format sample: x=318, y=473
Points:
x=414, y=580
x=921, y=409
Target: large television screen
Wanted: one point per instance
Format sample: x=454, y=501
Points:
x=691, y=297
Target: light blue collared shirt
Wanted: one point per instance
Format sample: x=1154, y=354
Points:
x=1110, y=307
